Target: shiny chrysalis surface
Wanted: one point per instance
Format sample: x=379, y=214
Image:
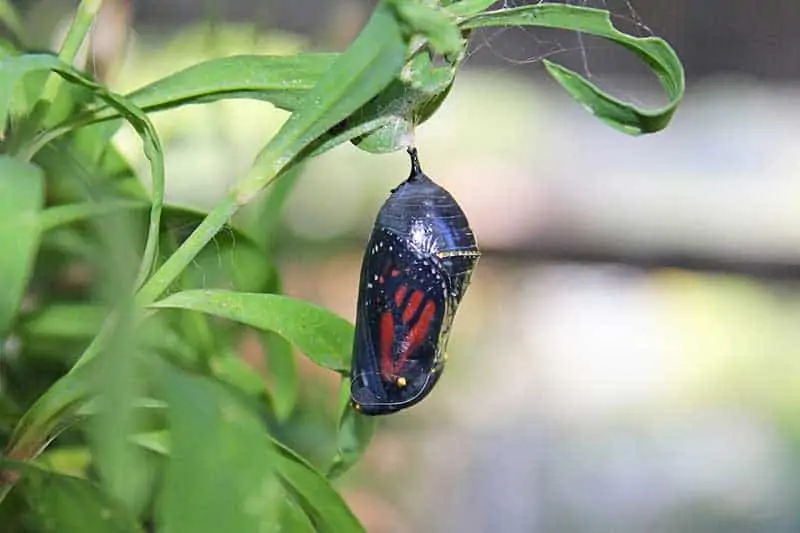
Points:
x=416, y=268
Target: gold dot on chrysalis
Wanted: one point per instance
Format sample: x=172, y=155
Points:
x=356, y=406
x=401, y=382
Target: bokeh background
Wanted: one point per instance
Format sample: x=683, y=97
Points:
x=626, y=359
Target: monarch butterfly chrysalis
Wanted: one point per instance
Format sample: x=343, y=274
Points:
x=416, y=268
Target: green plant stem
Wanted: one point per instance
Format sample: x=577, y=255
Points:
x=78, y=30
x=81, y=25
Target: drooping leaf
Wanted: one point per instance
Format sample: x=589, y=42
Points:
x=21, y=198
x=324, y=337
x=655, y=52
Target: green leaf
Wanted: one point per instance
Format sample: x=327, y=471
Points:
x=52, y=412
x=280, y=80
x=324, y=337
x=285, y=378
x=355, y=433
x=432, y=23
x=78, y=175
x=69, y=460
x=66, y=321
x=316, y=495
x=66, y=504
x=284, y=81
x=294, y=519
x=261, y=220
x=220, y=473
x=232, y=369
x=21, y=198
x=466, y=8
x=282, y=365
x=655, y=52
x=60, y=215
x=327, y=508
x=117, y=382
x=234, y=261
x=13, y=68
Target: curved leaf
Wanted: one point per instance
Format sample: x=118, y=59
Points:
x=14, y=68
x=21, y=198
x=655, y=52
x=324, y=337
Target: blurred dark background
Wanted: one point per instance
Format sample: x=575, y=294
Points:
x=626, y=359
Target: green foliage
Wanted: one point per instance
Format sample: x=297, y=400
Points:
x=21, y=198
x=655, y=52
x=323, y=336
x=165, y=422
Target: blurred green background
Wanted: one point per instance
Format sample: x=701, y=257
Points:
x=626, y=359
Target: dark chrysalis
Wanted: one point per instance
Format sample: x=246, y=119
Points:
x=416, y=269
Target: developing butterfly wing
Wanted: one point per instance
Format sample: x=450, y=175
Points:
x=400, y=325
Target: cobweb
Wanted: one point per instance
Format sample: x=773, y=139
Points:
x=594, y=58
